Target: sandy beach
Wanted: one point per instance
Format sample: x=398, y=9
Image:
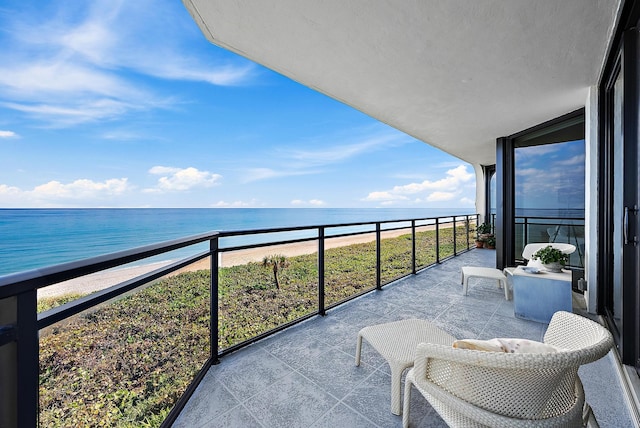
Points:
x=101, y=280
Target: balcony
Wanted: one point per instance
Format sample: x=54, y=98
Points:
x=306, y=376
x=141, y=342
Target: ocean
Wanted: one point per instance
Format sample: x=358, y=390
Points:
x=36, y=238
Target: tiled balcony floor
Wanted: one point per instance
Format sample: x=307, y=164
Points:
x=305, y=376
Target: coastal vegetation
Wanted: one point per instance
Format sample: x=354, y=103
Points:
x=125, y=363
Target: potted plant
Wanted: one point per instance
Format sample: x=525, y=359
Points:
x=483, y=232
x=551, y=258
x=490, y=242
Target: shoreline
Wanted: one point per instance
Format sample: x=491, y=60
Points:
x=100, y=280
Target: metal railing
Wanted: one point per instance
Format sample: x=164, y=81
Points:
x=21, y=325
x=534, y=229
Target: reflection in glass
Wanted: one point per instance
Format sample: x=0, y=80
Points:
x=550, y=188
x=618, y=167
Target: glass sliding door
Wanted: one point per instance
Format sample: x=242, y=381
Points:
x=619, y=257
x=614, y=306
x=549, y=191
x=540, y=188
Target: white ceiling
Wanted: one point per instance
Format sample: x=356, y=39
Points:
x=456, y=74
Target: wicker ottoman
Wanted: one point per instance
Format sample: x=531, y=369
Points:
x=397, y=342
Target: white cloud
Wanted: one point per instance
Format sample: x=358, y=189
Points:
x=313, y=202
x=234, y=204
x=295, y=162
x=7, y=134
x=349, y=149
x=177, y=179
x=6, y=190
x=55, y=193
x=441, y=196
x=163, y=170
x=444, y=189
x=467, y=201
x=83, y=62
x=258, y=174
x=529, y=172
x=81, y=189
x=384, y=196
x=575, y=160
x=536, y=151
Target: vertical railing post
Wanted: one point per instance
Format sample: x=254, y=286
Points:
x=466, y=224
x=8, y=362
x=477, y=223
x=455, y=238
x=378, y=258
x=321, y=309
x=26, y=362
x=213, y=300
x=413, y=246
x=437, y=240
x=526, y=231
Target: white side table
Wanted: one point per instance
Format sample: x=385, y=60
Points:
x=538, y=296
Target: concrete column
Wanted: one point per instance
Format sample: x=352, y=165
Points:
x=591, y=199
x=481, y=195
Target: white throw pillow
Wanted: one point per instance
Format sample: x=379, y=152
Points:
x=525, y=346
x=492, y=345
x=509, y=345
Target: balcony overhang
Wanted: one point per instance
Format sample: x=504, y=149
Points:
x=454, y=74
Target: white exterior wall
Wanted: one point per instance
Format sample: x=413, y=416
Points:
x=591, y=199
x=480, y=193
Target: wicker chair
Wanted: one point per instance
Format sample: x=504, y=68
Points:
x=475, y=388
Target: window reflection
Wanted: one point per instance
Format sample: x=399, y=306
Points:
x=549, y=183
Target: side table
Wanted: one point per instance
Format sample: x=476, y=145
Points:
x=537, y=297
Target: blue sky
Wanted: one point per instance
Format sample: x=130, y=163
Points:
x=126, y=104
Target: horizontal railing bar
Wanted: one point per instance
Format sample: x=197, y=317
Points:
x=186, y=395
x=544, y=217
x=265, y=244
x=8, y=334
x=22, y=282
x=445, y=258
x=314, y=238
x=530, y=222
x=228, y=233
x=551, y=218
x=353, y=296
x=59, y=313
